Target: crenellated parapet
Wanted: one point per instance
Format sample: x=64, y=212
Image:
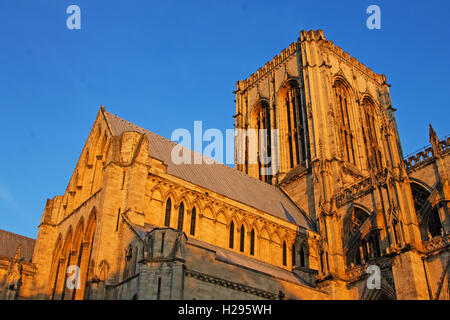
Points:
x=308, y=36
x=426, y=154
x=338, y=51
x=268, y=67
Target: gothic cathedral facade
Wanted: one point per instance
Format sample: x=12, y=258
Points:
x=336, y=199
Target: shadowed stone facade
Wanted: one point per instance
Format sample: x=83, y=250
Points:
x=139, y=226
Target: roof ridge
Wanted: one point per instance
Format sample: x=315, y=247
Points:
x=16, y=234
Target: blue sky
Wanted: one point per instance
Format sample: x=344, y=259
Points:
x=164, y=64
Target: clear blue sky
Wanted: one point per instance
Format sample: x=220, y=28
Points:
x=164, y=64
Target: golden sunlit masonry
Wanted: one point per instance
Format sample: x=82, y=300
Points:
x=132, y=224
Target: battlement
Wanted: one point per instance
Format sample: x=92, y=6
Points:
x=268, y=67
x=381, y=78
x=426, y=154
x=307, y=36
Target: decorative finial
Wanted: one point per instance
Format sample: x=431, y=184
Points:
x=434, y=140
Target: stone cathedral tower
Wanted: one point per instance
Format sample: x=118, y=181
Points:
x=321, y=194
x=338, y=155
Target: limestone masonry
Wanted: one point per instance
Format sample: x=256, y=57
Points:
x=135, y=225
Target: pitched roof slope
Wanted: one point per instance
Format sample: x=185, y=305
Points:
x=217, y=177
x=10, y=241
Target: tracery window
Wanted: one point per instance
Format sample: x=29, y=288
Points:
x=353, y=222
x=360, y=249
x=370, y=135
x=429, y=216
x=264, y=141
x=346, y=134
x=296, y=125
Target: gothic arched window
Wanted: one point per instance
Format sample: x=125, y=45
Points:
x=168, y=211
x=263, y=127
x=370, y=135
x=355, y=247
x=429, y=217
x=284, y=254
x=180, y=217
x=242, y=243
x=231, y=237
x=296, y=125
x=343, y=105
x=193, y=218
x=252, y=242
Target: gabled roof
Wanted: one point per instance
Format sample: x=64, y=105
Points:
x=217, y=177
x=10, y=241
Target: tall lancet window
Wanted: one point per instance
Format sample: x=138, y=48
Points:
x=193, y=218
x=252, y=242
x=284, y=254
x=346, y=135
x=242, y=243
x=168, y=211
x=370, y=135
x=296, y=125
x=231, y=237
x=264, y=141
x=180, y=217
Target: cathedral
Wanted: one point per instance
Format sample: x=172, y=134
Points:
x=337, y=201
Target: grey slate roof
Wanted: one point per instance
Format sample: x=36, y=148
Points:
x=217, y=177
x=10, y=241
x=249, y=263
